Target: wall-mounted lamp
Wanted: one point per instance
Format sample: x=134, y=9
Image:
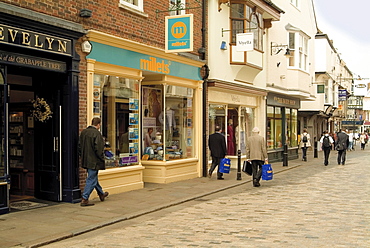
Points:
x=223, y=45
x=277, y=48
x=86, y=46
x=86, y=13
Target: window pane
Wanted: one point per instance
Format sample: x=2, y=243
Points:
x=278, y=128
x=294, y=128
x=118, y=105
x=288, y=126
x=216, y=117
x=178, y=123
x=152, y=128
x=244, y=130
x=270, y=128
x=170, y=124
x=237, y=10
x=291, y=41
x=237, y=27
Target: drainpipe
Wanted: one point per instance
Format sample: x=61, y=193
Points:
x=205, y=74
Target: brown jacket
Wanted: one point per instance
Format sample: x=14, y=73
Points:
x=256, y=147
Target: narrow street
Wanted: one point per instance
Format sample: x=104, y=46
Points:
x=309, y=206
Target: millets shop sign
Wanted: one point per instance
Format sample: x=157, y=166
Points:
x=34, y=40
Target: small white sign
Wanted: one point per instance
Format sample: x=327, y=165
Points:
x=244, y=42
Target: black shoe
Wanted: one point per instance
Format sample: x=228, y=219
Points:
x=220, y=178
x=209, y=174
x=343, y=163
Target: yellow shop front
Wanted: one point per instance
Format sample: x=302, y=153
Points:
x=150, y=105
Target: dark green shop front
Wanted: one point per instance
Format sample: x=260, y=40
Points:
x=282, y=127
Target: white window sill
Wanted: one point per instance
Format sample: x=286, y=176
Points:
x=135, y=11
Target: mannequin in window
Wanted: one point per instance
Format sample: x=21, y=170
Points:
x=240, y=131
x=148, y=138
x=230, y=138
x=170, y=123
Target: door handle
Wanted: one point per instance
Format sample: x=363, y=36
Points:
x=56, y=144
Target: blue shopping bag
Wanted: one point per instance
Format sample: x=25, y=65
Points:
x=267, y=172
x=224, y=165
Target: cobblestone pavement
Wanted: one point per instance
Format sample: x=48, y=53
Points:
x=311, y=206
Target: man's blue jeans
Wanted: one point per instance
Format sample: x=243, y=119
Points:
x=91, y=184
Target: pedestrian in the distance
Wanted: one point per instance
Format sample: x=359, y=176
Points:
x=305, y=143
x=91, y=149
x=341, y=146
x=217, y=145
x=351, y=140
x=326, y=142
x=363, y=141
x=256, y=153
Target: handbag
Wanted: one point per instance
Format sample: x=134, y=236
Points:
x=247, y=168
x=267, y=173
x=224, y=165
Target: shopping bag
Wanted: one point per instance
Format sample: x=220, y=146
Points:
x=225, y=165
x=247, y=168
x=267, y=172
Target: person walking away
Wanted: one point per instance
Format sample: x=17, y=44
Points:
x=341, y=146
x=256, y=153
x=305, y=143
x=351, y=139
x=326, y=142
x=363, y=141
x=91, y=150
x=217, y=145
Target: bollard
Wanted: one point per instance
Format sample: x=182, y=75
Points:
x=285, y=155
x=239, y=173
x=315, y=146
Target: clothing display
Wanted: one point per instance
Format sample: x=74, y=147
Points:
x=170, y=119
x=230, y=140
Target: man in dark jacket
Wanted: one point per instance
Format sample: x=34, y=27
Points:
x=217, y=145
x=341, y=146
x=91, y=149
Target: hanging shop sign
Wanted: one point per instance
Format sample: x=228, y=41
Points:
x=244, y=42
x=361, y=87
x=179, y=33
x=25, y=38
x=342, y=95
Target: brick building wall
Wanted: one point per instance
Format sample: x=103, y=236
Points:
x=109, y=18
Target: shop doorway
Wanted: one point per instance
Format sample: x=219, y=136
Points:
x=34, y=153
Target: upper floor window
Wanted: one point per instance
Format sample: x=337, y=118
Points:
x=177, y=7
x=298, y=48
x=295, y=3
x=135, y=4
x=246, y=19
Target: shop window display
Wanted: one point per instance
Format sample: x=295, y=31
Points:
x=167, y=122
x=116, y=100
x=274, y=127
x=241, y=119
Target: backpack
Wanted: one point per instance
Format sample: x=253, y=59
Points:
x=304, y=139
x=326, y=142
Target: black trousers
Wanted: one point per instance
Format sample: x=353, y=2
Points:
x=257, y=169
x=342, y=156
x=216, y=163
x=304, y=153
x=326, y=155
